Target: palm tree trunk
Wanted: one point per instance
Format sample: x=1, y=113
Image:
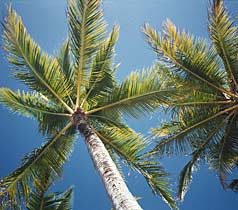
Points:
x=115, y=186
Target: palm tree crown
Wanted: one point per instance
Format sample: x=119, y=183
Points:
x=79, y=84
x=204, y=121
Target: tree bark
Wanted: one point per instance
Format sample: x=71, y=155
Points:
x=115, y=186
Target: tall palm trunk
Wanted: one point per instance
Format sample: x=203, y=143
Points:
x=115, y=186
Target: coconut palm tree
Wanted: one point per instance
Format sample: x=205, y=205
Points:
x=76, y=90
x=204, y=122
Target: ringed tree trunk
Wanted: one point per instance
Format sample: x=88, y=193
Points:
x=121, y=197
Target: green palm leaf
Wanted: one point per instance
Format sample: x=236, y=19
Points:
x=224, y=36
x=35, y=68
x=53, y=201
x=48, y=158
x=29, y=104
x=224, y=153
x=137, y=95
x=198, y=155
x=101, y=79
x=50, y=116
x=183, y=137
x=188, y=55
x=87, y=30
x=66, y=200
x=64, y=59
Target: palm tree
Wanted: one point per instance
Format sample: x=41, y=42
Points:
x=76, y=90
x=204, y=120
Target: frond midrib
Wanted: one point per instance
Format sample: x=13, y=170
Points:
x=81, y=57
x=201, y=103
x=179, y=65
x=95, y=82
x=125, y=100
x=193, y=126
x=220, y=88
x=225, y=55
x=40, y=110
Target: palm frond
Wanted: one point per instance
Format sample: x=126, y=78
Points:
x=138, y=95
x=222, y=156
x=185, y=178
x=66, y=200
x=87, y=30
x=32, y=66
x=29, y=104
x=50, y=116
x=108, y=118
x=198, y=154
x=186, y=133
x=64, y=59
x=49, y=125
x=53, y=201
x=129, y=147
x=124, y=141
x=224, y=36
x=190, y=57
x=48, y=158
x=101, y=77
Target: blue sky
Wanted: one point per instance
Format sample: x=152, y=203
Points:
x=46, y=22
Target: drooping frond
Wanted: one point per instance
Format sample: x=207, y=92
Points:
x=185, y=178
x=199, y=154
x=224, y=36
x=223, y=155
x=193, y=125
x=101, y=79
x=139, y=94
x=188, y=56
x=157, y=178
x=48, y=158
x=32, y=66
x=52, y=201
x=87, y=30
x=66, y=200
x=123, y=141
x=129, y=147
